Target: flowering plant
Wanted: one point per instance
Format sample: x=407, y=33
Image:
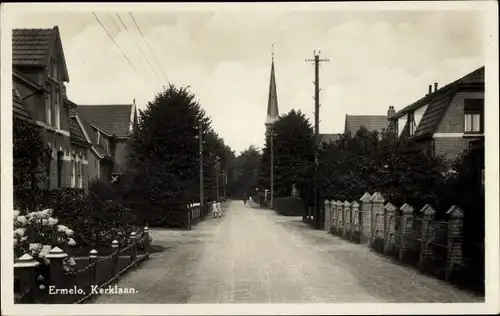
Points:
x=36, y=233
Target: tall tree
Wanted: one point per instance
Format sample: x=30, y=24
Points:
x=246, y=168
x=294, y=147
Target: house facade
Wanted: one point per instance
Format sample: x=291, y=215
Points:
x=86, y=142
x=39, y=77
x=445, y=121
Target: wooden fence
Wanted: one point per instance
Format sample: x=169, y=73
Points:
x=77, y=286
x=412, y=236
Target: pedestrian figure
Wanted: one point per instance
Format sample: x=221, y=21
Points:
x=215, y=210
x=245, y=198
x=219, y=207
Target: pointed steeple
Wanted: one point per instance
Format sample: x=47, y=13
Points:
x=272, y=103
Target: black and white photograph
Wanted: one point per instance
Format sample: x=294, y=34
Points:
x=250, y=158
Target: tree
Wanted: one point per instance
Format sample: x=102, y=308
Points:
x=245, y=176
x=30, y=154
x=165, y=155
x=294, y=148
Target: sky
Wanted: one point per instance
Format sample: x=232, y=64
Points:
x=376, y=59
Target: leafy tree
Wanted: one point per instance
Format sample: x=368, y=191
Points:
x=246, y=170
x=294, y=146
x=30, y=154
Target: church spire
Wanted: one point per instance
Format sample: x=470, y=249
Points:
x=272, y=104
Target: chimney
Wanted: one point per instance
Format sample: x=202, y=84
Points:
x=430, y=89
x=435, y=86
x=391, y=111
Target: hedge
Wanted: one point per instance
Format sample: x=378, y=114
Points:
x=289, y=206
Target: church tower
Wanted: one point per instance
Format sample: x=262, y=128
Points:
x=272, y=103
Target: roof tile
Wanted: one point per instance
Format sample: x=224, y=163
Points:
x=111, y=119
x=370, y=122
x=30, y=46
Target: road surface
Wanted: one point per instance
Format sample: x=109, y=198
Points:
x=256, y=256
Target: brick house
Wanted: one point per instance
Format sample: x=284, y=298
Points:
x=39, y=76
x=445, y=121
x=109, y=129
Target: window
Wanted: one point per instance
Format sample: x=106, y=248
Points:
x=60, y=156
x=54, y=69
x=57, y=109
x=49, y=163
x=73, y=172
x=80, y=174
x=412, y=126
x=48, y=109
x=98, y=138
x=473, y=115
x=98, y=169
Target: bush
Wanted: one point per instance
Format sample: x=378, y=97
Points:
x=36, y=233
x=98, y=222
x=289, y=206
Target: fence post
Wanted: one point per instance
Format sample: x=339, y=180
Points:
x=347, y=218
x=405, y=229
x=338, y=221
x=389, y=225
x=116, y=255
x=426, y=234
x=327, y=215
x=366, y=219
x=355, y=220
x=24, y=270
x=455, y=229
x=147, y=245
x=93, y=268
x=377, y=201
x=56, y=257
x=133, y=246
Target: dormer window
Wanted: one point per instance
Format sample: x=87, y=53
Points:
x=412, y=126
x=473, y=116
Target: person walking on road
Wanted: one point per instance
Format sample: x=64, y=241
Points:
x=245, y=198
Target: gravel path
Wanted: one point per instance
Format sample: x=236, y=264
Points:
x=256, y=256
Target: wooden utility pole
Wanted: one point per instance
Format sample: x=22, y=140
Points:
x=200, y=138
x=316, y=61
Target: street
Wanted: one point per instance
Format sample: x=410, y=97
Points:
x=256, y=256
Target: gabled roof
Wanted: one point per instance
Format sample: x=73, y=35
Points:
x=76, y=132
x=33, y=48
x=439, y=101
x=112, y=119
x=371, y=122
x=475, y=79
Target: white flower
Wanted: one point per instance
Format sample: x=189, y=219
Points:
x=16, y=213
x=22, y=220
x=35, y=248
x=69, y=232
x=47, y=213
x=24, y=238
x=47, y=261
x=71, y=242
x=53, y=221
x=15, y=241
x=44, y=251
x=40, y=278
x=42, y=287
x=19, y=232
x=45, y=222
x=62, y=228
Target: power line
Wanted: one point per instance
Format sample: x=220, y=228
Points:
x=130, y=63
x=145, y=40
x=140, y=50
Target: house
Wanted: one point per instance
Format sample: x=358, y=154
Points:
x=39, y=95
x=371, y=122
x=109, y=128
x=445, y=121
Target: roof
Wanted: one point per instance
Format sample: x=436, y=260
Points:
x=33, y=47
x=111, y=119
x=474, y=78
x=19, y=107
x=371, y=122
x=272, y=102
x=439, y=101
x=329, y=138
x=76, y=133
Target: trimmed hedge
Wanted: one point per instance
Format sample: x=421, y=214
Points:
x=289, y=206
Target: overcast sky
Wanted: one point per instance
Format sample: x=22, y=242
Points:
x=377, y=59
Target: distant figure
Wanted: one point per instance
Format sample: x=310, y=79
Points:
x=245, y=198
x=219, y=207
x=215, y=210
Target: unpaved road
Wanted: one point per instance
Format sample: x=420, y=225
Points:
x=255, y=256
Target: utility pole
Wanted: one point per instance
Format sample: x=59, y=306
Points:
x=200, y=141
x=217, y=175
x=316, y=61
